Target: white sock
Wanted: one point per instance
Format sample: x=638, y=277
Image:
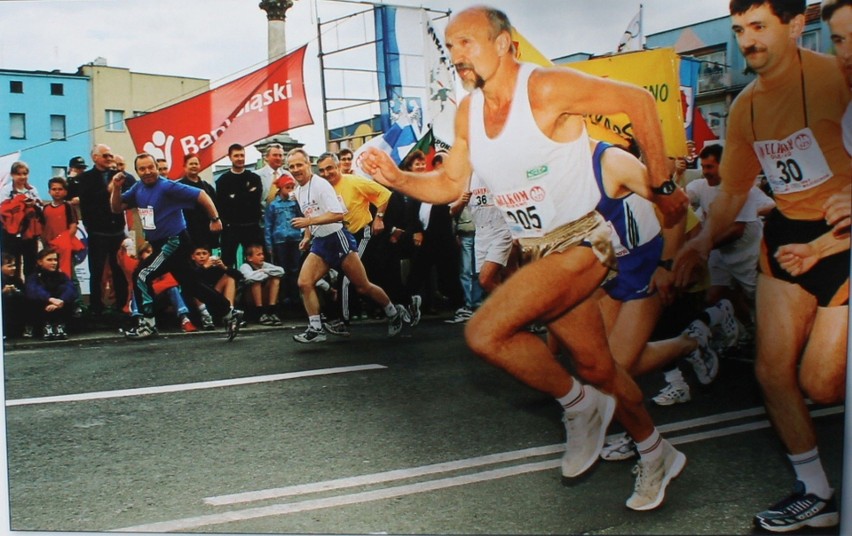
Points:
x=675, y=376
x=651, y=448
x=808, y=468
x=315, y=322
x=715, y=315
x=576, y=399
x=390, y=310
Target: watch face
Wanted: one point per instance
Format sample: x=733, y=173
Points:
x=667, y=188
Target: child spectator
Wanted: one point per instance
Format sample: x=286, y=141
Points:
x=51, y=295
x=263, y=280
x=282, y=239
x=22, y=218
x=167, y=285
x=16, y=317
x=60, y=226
x=213, y=272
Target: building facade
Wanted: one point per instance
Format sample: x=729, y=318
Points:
x=45, y=116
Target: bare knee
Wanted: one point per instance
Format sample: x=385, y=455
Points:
x=821, y=386
x=480, y=339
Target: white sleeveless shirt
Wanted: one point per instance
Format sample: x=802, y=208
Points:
x=538, y=184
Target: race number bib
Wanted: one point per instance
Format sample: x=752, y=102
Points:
x=146, y=214
x=528, y=212
x=617, y=246
x=793, y=164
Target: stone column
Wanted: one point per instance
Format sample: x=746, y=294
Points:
x=276, y=12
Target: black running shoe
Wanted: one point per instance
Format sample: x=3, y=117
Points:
x=799, y=510
x=310, y=335
x=337, y=327
x=234, y=322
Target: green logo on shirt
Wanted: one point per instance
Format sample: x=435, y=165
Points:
x=537, y=172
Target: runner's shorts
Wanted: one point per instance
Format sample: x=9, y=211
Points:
x=590, y=231
x=828, y=280
x=492, y=245
x=635, y=271
x=334, y=248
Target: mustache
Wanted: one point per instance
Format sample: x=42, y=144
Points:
x=460, y=66
x=752, y=50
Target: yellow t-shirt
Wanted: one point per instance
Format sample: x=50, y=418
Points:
x=357, y=194
x=778, y=112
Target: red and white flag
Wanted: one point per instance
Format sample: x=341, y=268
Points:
x=262, y=103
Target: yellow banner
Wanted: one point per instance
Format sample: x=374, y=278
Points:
x=655, y=70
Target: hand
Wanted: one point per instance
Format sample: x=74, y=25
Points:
x=692, y=256
x=379, y=165
x=301, y=223
x=663, y=282
x=216, y=226
x=417, y=239
x=673, y=206
x=797, y=259
x=305, y=244
x=56, y=302
x=378, y=225
x=838, y=210
x=465, y=198
x=118, y=178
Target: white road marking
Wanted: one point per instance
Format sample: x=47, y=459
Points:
x=102, y=395
x=197, y=522
x=402, y=474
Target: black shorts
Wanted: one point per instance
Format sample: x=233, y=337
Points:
x=827, y=281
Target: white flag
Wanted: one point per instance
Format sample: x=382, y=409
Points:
x=632, y=38
x=441, y=77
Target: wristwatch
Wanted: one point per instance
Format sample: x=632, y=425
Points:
x=380, y=214
x=667, y=188
x=214, y=220
x=666, y=263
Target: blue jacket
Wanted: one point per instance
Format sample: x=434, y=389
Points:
x=277, y=226
x=42, y=285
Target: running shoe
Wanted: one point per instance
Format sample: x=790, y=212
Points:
x=187, y=326
x=145, y=329
x=799, y=510
x=622, y=447
x=728, y=324
x=28, y=332
x=703, y=359
x=48, y=334
x=265, y=320
x=461, y=316
x=310, y=335
x=59, y=333
x=414, y=309
x=673, y=394
x=395, y=321
x=652, y=478
x=234, y=321
x=337, y=327
x=275, y=319
x=207, y=323
x=585, y=433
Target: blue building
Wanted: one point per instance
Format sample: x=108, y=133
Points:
x=45, y=116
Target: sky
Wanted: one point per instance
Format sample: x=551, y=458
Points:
x=222, y=39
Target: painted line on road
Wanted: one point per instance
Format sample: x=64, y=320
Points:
x=197, y=522
x=121, y=393
x=403, y=474
x=342, y=500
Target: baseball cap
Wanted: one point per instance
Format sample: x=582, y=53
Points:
x=285, y=178
x=77, y=162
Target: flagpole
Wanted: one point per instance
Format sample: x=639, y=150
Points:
x=641, y=29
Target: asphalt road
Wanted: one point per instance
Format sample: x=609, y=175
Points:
x=411, y=435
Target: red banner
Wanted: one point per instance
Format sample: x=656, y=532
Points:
x=265, y=102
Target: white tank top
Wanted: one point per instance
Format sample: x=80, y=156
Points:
x=538, y=184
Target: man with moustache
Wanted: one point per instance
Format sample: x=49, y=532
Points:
x=787, y=123
x=521, y=130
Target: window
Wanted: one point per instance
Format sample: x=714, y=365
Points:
x=57, y=171
x=57, y=89
x=115, y=120
x=713, y=72
x=57, y=127
x=18, y=126
x=16, y=86
x=810, y=40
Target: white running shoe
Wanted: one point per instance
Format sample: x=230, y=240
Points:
x=585, y=433
x=673, y=394
x=653, y=478
x=622, y=447
x=395, y=321
x=414, y=309
x=703, y=359
x=728, y=324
